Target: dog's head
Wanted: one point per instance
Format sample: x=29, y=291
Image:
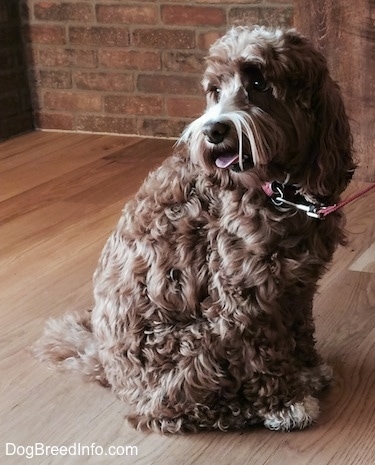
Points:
x=272, y=111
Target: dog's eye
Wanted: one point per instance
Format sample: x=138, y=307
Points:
x=260, y=84
x=215, y=92
x=254, y=78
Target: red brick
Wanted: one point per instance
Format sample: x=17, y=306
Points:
x=140, y=65
x=55, y=56
x=31, y=55
x=108, y=124
x=284, y=2
x=72, y=101
x=193, y=15
x=267, y=16
x=99, y=36
x=277, y=16
x=129, y=59
x=55, y=79
x=104, y=81
x=39, y=34
x=186, y=107
x=162, y=127
x=185, y=62
x=220, y=1
x=50, y=120
x=207, y=38
x=168, y=84
x=134, y=105
x=35, y=96
x=163, y=38
x=127, y=14
x=49, y=11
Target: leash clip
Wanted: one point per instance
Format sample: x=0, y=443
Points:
x=312, y=210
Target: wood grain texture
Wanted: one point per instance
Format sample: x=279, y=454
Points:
x=61, y=196
x=366, y=262
x=344, y=31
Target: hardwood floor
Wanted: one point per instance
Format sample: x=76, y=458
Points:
x=60, y=196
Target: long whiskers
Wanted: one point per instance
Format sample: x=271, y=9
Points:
x=254, y=128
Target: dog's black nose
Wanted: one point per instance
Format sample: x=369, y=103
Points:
x=215, y=131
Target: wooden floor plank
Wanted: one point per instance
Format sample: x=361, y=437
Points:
x=52, y=159
x=366, y=262
x=61, y=195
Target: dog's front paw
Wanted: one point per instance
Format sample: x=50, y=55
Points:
x=295, y=416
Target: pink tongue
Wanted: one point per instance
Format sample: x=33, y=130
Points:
x=226, y=160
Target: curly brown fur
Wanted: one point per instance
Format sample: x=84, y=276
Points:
x=203, y=314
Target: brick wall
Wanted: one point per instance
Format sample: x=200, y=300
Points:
x=15, y=106
x=128, y=66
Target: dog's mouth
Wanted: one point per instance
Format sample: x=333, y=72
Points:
x=233, y=161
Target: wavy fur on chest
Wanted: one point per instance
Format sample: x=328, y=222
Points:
x=185, y=239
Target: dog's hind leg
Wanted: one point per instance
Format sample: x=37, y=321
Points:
x=318, y=378
x=315, y=374
x=69, y=345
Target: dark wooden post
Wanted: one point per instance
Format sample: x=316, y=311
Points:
x=344, y=31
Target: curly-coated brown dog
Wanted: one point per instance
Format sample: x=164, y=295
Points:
x=204, y=292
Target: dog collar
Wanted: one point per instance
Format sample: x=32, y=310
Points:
x=285, y=196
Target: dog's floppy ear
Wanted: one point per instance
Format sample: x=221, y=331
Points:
x=330, y=164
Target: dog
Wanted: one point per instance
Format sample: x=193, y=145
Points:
x=204, y=291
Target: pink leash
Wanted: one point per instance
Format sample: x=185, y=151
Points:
x=332, y=208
